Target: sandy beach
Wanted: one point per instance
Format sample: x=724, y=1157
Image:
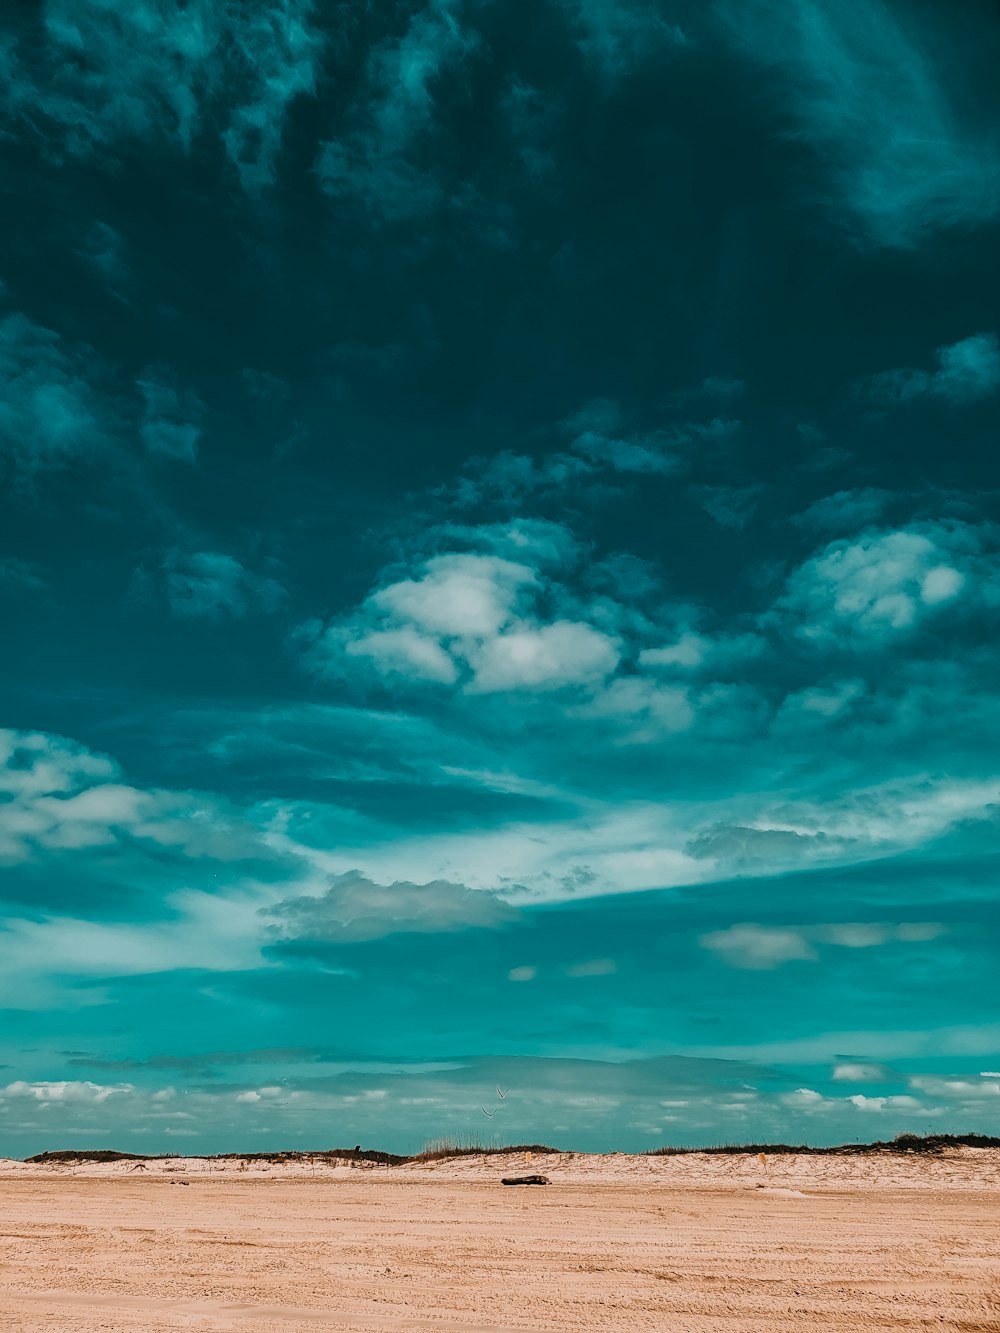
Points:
x=613, y=1242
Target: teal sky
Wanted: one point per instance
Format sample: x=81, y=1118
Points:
x=500, y=572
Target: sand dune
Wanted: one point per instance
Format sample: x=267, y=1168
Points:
x=614, y=1242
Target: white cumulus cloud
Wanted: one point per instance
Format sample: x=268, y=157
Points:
x=474, y=619
x=883, y=584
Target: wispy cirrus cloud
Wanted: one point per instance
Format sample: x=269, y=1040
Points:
x=870, y=95
x=95, y=79
x=379, y=159
x=617, y=37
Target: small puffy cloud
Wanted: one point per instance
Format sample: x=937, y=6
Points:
x=102, y=77
x=355, y=908
x=877, y=1104
x=758, y=948
x=171, y=418
x=253, y=1096
x=803, y=1098
x=522, y=974
x=941, y=584
x=211, y=585
x=862, y=1071
x=872, y=934
x=882, y=584
x=967, y=372
x=49, y=413
x=593, y=967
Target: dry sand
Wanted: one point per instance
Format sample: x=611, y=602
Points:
x=613, y=1243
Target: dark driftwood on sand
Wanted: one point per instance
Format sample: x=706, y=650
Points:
x=525, y=1180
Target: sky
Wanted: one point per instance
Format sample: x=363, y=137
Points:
x=500, y=572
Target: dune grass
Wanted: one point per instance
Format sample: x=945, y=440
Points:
x=902, y=1143
x=442, y=1149
x=290, y=1155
